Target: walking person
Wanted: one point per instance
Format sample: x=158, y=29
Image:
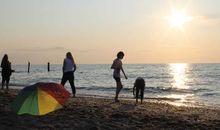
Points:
x=6, y=71
x=69, y=67
x=117, y=66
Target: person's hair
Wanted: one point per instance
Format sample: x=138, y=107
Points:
x=4, y=60
x=120, y=53
x=69, y=56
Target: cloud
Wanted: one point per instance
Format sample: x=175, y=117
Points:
x=213, y=17
x=42, y=49
x=143, y=51
x=88, y=50
x=207, y=20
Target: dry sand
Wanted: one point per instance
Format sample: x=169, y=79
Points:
x=87, y=113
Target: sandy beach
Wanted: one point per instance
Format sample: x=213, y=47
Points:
x=89, y=113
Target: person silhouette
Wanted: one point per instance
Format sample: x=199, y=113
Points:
x=69, y=67
x=6, y=71
x=117, y=66
x=139, y=86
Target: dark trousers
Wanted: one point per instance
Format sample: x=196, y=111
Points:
x=5, y=78
x=70, y=77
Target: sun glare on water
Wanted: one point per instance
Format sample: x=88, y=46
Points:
x=178, y=71
x=178, y=19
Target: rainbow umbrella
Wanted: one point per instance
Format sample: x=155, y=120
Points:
x=40, y=99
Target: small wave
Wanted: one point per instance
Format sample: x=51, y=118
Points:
x=210, y=94
x=100, y=88
x=18, y=85
x=171, y=89
x=158, y=77
x=202, y=90
x=163, y=98
x=147, y=89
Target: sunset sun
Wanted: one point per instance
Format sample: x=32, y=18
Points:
x=178, y=19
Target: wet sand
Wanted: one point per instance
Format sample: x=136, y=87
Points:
x=89, y=113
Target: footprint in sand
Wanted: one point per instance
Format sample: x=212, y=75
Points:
x=127, y=107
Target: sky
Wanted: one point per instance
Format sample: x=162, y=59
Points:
x=42, y=31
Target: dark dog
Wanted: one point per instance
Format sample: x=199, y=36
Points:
x=139, y=86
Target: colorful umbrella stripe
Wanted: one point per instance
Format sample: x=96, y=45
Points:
x=40, y=99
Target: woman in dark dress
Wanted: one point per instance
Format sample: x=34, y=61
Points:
x=6, y=71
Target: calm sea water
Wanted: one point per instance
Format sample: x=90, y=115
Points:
x=178, y=84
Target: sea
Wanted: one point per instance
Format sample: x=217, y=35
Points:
x=177, y=84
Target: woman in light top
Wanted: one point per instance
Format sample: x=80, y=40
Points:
x=117, y=66
x=69, y=67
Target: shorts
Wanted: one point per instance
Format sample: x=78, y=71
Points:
x=117, y=79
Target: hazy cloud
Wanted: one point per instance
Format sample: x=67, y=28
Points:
x=213, y=16
x=144, y=51
x=43, y=49
x=208, y=17
x=207, y=20
x=88, y=50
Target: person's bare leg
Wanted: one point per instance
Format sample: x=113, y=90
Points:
x=142, y=94
x=137, y=94
x=2, y=86
x=72, y=87
x=118, y=89
x=6, y=91
x=3, y=83
x=7, y=83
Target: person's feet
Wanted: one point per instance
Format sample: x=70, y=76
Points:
x=6, y=91
x=117, y=101
x=73, y=95
x=7, y=87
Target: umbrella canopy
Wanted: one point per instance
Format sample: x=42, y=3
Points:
x=40, y=99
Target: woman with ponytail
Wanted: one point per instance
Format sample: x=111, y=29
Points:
x=69, y=67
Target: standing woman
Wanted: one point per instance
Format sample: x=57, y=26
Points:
x=6, y=71
x=69, y=67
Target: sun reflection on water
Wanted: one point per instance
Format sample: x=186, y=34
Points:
x=178, y=71
x=180, y=99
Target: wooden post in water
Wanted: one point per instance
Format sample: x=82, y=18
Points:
x=28, y=67
x=48, y=66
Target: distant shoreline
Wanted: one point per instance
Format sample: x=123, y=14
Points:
x=124, y=63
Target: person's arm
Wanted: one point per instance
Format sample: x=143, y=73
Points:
x=74, y=66
x=63, y=65
x=134, y=89
x=123, y=72
x=11, y=68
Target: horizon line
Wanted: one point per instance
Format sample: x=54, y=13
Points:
x=128, y=63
